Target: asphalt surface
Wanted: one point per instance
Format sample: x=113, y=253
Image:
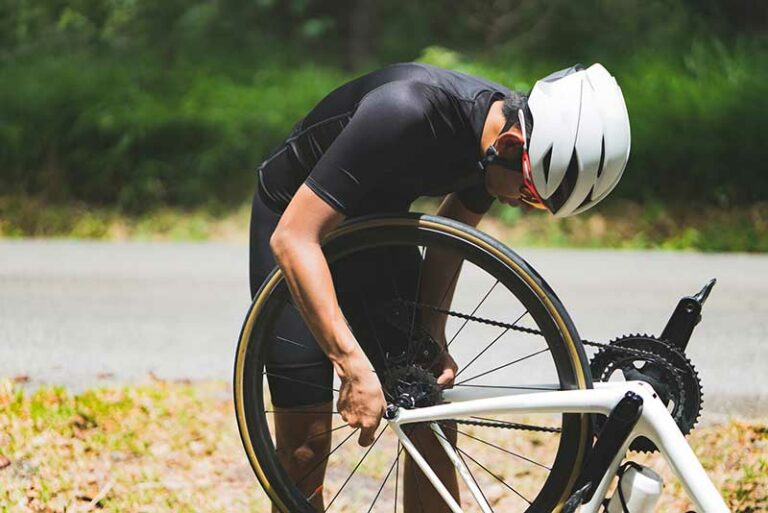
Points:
x=84, y=313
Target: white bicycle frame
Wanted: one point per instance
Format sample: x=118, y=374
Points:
x=655, y=423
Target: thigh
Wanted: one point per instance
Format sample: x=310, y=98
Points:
x=261, y=261
x=370, y=288
x=294, y=355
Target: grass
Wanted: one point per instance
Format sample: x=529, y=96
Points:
x=618, y=224
x=631, y=225
x=165, y=446
x=26, y=217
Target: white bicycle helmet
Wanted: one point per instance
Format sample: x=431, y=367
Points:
x=580, y=139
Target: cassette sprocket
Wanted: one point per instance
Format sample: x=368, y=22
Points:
x=667, y=370
x=413, y=386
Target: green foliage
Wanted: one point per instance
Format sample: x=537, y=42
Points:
x=698, y=118
x=132, y=134
x=698, y=123
x=137, y=104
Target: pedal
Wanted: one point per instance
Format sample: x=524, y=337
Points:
x=576, y=499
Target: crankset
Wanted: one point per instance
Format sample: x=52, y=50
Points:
x=677, y=384
x=660, y=362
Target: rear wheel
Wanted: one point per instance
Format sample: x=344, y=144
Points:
x=495, y=302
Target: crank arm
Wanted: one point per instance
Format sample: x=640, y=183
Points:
x=686, y=316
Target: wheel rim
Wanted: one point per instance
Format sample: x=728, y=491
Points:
x=552, y=474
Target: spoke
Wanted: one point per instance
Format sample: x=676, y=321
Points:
x=473, y=313
x=460, y=452
x=357, y=466
x=416, y=470
x=386, y=478
x=300, y=381
x=283, y=339
x=316, y=435
x=397, y=470
x=378, y=344
x=491, y=344
x=448, y=288
x=497, y=447
x=494, y=475
x=304, y=412
x=326, y=457
x=450, y=283
x=415, y=302
x=505, y=365
x=482, y=352
x=373, y=332
x=466, y=320
x=474, y=480
x=465, y=453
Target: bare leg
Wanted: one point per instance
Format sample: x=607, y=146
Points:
x=303, y=441
x=419, y=496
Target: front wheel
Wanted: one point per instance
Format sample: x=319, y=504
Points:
x=382, y=268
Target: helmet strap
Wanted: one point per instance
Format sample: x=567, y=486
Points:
x=492, y=157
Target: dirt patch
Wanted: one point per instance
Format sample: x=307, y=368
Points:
x=169, y=446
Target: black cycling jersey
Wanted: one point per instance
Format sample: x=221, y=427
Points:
x=375, y=144
x=382, y=140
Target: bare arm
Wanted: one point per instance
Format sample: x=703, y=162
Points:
x=440, y=275
x=441, y=268
x=453, y=208
x=296, y=246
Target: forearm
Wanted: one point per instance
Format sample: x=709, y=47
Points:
x=309, y=280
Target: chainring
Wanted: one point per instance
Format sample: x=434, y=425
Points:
x=653, y=361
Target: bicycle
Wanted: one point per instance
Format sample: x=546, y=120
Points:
x=637, y=392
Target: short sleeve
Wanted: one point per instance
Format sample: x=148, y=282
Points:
x=384, y=130
x=476, y=199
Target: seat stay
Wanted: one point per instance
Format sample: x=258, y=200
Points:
x=461, y=468
x=655, y=423
x=425, y=468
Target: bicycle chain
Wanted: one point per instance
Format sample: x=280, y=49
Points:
x=645, y=355
x=508, y=425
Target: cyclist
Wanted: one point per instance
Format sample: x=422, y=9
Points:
x=374, y=145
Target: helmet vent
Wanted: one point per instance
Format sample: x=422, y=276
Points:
x=587, y=199
x=602, y=161
x=563, y=192
x=547, y=159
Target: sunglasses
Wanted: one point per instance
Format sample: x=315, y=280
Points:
x=528, y=193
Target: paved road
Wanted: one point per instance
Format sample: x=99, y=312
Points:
x=79, y=313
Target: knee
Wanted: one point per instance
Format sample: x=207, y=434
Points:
x=423, y=436
x=311, y=449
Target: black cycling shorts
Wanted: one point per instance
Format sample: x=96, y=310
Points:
x=368, y=286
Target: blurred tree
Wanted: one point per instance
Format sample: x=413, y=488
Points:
x=141, y=102
x=362, y=33
x=735, y=16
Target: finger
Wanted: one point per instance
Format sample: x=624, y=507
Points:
x=446, y=377
x=366, y=436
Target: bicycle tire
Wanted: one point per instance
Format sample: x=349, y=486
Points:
x=476, y=247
